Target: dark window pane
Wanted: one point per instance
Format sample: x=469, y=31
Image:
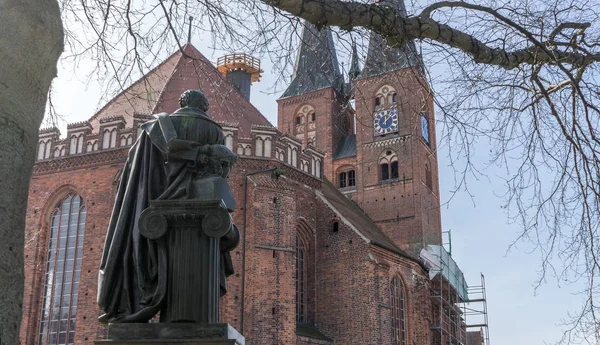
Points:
x=342, y=180
x=385, y=173
x=351, y=178
x=394, y=168
x=300, y=282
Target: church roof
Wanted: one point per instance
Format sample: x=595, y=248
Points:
x=346, y=147
x=316, y=64
x=354, y=217
x=159, y=91
x=381, y=58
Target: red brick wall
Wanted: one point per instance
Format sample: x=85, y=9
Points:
x=347, y=288
x=417, y=299
x=329, y=107
x=405, y=209
x=95, y=185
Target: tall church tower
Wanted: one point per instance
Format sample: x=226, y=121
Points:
x=388, y=165
x=396, y=175
x=313, y=107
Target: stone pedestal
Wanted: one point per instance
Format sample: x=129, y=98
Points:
x=172, y=334
x=193, y=231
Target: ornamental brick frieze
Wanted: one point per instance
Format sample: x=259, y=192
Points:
x=387, y=142
x=80, y=161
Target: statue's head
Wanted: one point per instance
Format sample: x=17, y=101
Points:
x=194, y=99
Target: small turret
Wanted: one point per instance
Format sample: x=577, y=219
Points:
x=241, y=70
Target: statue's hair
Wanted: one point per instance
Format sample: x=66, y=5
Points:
x=194, y=99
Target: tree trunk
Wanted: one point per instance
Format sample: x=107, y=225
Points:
x=31, y=40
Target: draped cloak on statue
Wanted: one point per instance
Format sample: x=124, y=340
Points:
x=174, y=157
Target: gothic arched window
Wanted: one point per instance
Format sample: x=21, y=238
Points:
x=386, y=96
x=388, y=164
x=397, y=300
x=63, y=271
x=301, y=280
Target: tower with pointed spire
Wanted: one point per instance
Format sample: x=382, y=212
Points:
x=396, y=160
x=313, y=107
x=376, y=131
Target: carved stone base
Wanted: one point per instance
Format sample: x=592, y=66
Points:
x=172, y=334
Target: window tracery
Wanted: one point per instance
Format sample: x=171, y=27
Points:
x=63, y=271
x=386, y=96
x=388, y=165
x=398, y=303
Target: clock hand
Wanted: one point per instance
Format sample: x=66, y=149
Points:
x=386, y=119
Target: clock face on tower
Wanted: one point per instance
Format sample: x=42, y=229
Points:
x=386, y=121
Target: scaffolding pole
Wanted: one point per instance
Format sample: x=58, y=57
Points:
x=449, y=324
x=476, y=311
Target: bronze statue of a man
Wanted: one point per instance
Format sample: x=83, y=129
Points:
x=170, y=233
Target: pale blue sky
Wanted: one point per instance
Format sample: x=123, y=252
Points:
x=480, y=232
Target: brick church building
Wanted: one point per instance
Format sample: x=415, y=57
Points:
x=342, y=246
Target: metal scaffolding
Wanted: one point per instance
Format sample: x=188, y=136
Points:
x=454, y=302
x=449, y=291
x=476, y=312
